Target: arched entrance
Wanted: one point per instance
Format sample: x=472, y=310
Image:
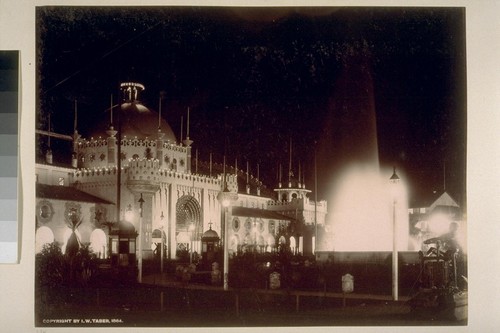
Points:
x=159, y=247
x=158, y=240
x=188, y=226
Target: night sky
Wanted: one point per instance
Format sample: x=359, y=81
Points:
x=255, y=78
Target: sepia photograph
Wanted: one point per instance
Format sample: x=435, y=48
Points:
x=250, y=167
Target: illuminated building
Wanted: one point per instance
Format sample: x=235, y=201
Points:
x=433, y=218
x=163, y=191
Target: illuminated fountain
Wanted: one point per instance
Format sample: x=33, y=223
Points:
x=362, y=209
x=361, y=202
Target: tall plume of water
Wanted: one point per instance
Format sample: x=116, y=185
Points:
x=360, y=202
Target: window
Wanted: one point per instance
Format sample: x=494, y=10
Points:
x=43, y=235
x=114, y=246
x=131, y=246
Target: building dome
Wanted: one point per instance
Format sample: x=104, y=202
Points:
x=123, y=228
x=136, y=119
x=210, y=234
x=141, y=122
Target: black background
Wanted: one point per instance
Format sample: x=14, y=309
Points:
x=254, y=78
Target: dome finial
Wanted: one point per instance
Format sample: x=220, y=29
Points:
x=131, y=91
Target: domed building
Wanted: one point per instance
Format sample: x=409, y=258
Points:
x=133, y=168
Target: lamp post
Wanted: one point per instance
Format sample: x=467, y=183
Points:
x=141, y=202
x=225, y=198
x=161, y=243
x=394, y=180
x=191, y=234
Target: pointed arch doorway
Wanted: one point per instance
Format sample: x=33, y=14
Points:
x=188, y=227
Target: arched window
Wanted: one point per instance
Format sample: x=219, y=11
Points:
x=293, y=244
x=233, y=243
x=98, y=243
x=44, y=235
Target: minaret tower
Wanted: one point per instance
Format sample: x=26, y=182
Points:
x=48, y=154
x=159, y=139
x=111, y=132
x=295, y=189
x=76, y=139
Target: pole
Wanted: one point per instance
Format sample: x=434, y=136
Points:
x=161, y=254
x=191, y=250
x=394, y=254
x=394, y=181
x=141, y=201
x=226, y=251
x=315, y=202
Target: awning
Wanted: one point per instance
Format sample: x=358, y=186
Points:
x=66, y=193
x=260, y=213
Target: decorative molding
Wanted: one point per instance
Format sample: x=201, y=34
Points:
x=71, y=206
x=44, y=211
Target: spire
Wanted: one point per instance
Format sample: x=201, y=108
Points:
x=76, y=138
x=258, y=181
x=196, y=162
x=210, y=164
x=161, y=135
x=159, y=114
x=182, y=129
x=187, y=142
x=111, y=112
x=444, y=176
x=187, y=126
x=299, y=174
x=303, y=179
x=290, y=166
x=111, y=131
x=224, y=173
x=48, y=155
x=279, y=181
x=248, y=184
x=48, y=143
x=75, y=124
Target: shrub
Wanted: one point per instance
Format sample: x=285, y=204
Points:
x=50, y=266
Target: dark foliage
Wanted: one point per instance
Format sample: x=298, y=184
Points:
x=53, y=269
x=50, y=267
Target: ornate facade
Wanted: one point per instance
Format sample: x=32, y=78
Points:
x=135, y=170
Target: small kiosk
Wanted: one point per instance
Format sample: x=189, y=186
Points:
x=209, y=248
x=123, y=244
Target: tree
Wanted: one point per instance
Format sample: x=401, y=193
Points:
x=49, y=266
x=84, y=265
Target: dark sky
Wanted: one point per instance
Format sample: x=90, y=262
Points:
x=254, y=78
